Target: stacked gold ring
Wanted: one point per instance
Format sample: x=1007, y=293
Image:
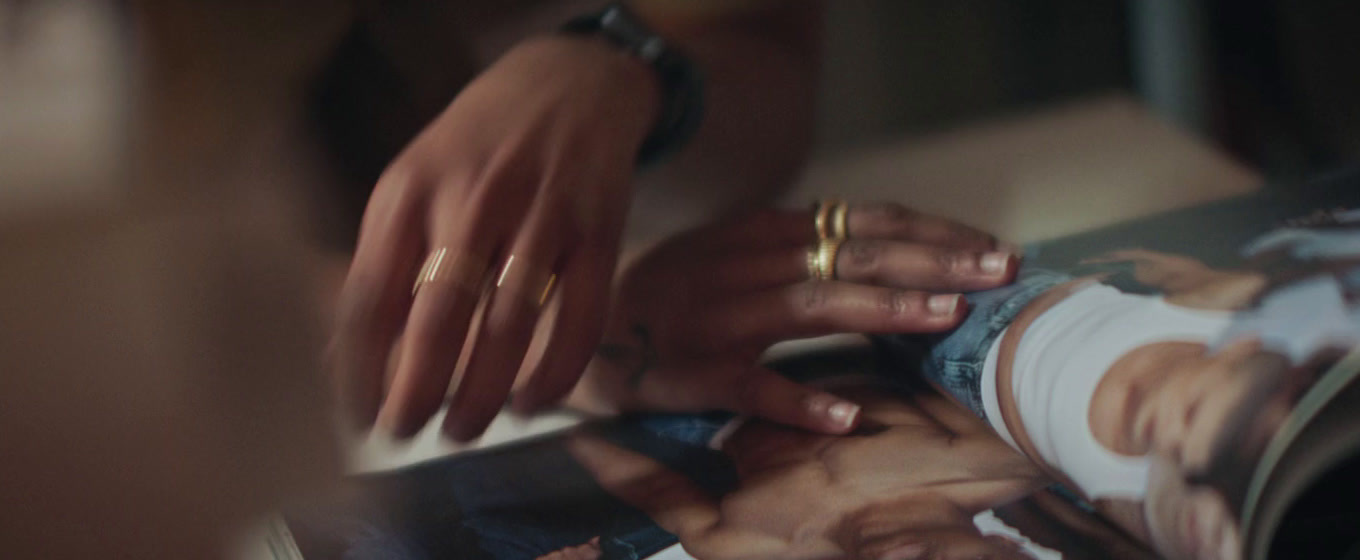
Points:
x=822, y=259
x=829, y=217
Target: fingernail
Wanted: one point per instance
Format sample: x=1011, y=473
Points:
x=843, y=413
x=943, y=305
x=995, y=263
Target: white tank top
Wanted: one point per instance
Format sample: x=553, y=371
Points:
x=1063, y=356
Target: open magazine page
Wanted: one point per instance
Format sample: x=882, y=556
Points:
x=1149, y=367
x=1116, y=402
x=921, y=478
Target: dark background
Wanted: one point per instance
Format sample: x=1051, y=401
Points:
x=1273, y=82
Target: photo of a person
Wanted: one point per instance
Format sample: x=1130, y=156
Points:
x=1142, y=413
x=1093, y=383
x=906, y=483
x=1126, y=397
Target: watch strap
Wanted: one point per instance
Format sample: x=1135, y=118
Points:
x=681, y=85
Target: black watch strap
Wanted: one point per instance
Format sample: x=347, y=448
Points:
x=682, y=99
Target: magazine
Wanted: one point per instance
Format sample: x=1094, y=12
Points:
x=1182, y=386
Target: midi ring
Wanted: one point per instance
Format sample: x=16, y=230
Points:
x=821, y=259
x=462, y=271
x=829, y=219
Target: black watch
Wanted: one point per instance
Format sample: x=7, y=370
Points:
x=682, y=92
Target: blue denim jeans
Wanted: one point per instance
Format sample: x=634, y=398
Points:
x=953, y=361
x=690, y=429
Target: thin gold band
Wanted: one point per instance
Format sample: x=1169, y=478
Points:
x=463, y=271
x=548, y=279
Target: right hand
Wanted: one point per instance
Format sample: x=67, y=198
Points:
x=692, y=318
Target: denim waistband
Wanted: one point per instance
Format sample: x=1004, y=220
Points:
x=954, y=361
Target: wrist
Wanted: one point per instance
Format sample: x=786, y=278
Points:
x=623, y=88
x=680, y=85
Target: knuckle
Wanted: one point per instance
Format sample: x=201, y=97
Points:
x=897, y=220
x=506, y=320
x=892, y=212
x=864, y=257
x=403, y=177
x=813, y=298
x=953, y=263
x=400, y=175
x=896, y=303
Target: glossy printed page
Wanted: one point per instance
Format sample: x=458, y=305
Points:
x=1147, y=367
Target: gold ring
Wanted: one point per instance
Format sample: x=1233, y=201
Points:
x=826, y=259
x=821, y=216
x=463, y=271
x=814, y=270
x=840, y=229
x=548, y=279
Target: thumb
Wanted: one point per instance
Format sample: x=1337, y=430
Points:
x=766, y=394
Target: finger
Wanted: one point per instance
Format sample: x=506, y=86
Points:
x=440, y=316
x=864, y=261
x=375, y=299
x=819, y=308
x=886, y=220
x=582, y=292
x=513, y=308
x=766, y=394
x=747, y=271
x=923, y=267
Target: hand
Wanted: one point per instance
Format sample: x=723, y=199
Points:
x=692, y=318
x=1187, y=282
x=532, y=161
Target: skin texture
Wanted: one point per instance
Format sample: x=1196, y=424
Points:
x=906, y=484
x=535, y=159
x=692, y=318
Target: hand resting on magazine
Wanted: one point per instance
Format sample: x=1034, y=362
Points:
x=692, y=318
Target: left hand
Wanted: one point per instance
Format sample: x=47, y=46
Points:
x=529, y=166
x=692, y=318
